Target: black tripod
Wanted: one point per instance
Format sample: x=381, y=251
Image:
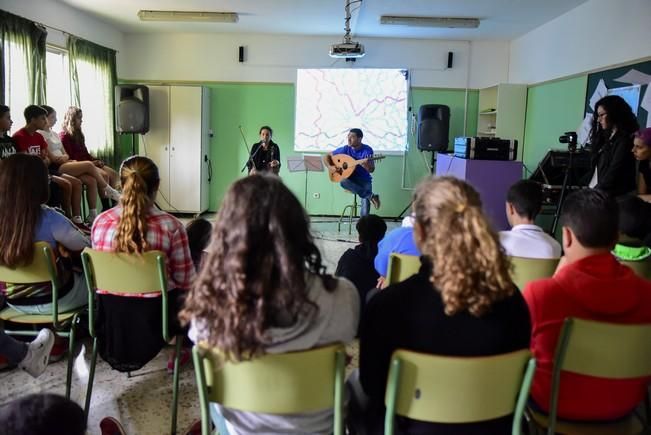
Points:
x=566, y=180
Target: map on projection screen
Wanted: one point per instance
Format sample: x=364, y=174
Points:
x=329, y=102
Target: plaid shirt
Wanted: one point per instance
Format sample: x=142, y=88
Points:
x=164, y=233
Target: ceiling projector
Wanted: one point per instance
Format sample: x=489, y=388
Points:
x=347, y=50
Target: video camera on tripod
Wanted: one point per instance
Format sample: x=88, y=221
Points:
x=571, y=139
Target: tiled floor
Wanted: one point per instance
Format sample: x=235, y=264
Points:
x=142, y=402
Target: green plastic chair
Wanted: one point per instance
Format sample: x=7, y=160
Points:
x=441, y=389
x=401, y=267
x=286, y=383
x=42, y=269
x=603, y=350
x=127, y=274
x=641, y=268
x=529, y=269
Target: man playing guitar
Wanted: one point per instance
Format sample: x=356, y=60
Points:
x=265, y=155
x=360, y=182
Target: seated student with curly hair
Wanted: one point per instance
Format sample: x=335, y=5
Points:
x=466, y=305
x=263, y=289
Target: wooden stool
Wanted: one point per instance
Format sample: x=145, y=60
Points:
x=352, y=208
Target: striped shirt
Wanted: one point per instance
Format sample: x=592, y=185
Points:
x=164, y=233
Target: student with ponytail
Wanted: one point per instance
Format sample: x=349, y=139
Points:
x=461, y=303
x=129, y=327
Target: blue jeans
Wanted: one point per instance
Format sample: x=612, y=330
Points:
x=363, y=189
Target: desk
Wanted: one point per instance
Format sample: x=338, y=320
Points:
x=491, y=178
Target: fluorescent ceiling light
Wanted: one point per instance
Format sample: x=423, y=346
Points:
x=465, y=23
x=193, y=16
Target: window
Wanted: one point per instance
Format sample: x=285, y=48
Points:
x=57, y=88
x=95, y=102
x=16, y=83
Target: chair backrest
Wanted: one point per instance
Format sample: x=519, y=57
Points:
x=445, y=389
x=401, y=267
x=287, y=383
x=121, y=273
x=42, y=268
x=641, y=268
x=126, y=273
x=529, y=269
x=599, y=349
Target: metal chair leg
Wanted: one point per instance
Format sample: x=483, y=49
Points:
x=175, y=386
x=91, y=378
x=71, y=349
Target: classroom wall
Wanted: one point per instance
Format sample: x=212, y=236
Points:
x=235, y=104
x=552, y=109
x=275, y=58
x=594, y=35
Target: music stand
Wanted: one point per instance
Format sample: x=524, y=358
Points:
x=305, y=163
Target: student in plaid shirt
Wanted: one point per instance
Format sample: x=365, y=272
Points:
x=129, y=328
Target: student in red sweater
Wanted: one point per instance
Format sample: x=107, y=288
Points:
x=589, y=284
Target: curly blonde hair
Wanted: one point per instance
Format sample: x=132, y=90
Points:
x=140, y=179
x=69, y=124
x=470, y=269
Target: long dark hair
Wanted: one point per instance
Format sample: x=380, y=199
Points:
x=139, y=178
x=260, y=251
x=23, y=188
x=620, y=116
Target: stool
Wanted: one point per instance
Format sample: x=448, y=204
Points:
x=353, y=212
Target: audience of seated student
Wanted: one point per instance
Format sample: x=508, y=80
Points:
x=129, y=328
x=28, y=140
x=88, y=173
x=642, y=153
x=466, y=305
x=8, y=148
x=356, y=264
x=634, y=242
x=526, y=239
x=397, y=241
x=24, y=220
x=42, y=414
x=74, y=144
x=263, y=289
x=589, y=284
x=31, y=357
x=199, y=231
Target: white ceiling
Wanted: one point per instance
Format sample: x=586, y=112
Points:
x=500, y=19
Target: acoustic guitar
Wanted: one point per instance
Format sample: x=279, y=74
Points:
x=345, y=165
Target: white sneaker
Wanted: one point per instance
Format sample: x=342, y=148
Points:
x=112, y=193
x=38, y=353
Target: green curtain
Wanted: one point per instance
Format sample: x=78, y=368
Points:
x=28, y=37
x=93, y=66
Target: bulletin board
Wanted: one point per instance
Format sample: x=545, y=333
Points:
x=630, y=82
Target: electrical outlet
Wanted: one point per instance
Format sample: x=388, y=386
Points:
x=316, y=195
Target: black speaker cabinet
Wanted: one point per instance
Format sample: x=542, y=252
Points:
x=132, y=109
x=433, y=127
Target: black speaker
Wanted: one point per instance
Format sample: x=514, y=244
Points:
x=241, y=53
x=450, y=59
x=131, y=109
x=433, y=127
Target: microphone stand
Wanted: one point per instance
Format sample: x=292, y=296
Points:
x=248, y=151
x=250, y=159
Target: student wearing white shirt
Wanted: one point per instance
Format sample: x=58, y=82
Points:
x=526, y=239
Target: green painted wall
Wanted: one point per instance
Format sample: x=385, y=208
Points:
x=552, y=109
x=254, y=105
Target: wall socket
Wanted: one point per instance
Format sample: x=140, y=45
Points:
x=316, y=195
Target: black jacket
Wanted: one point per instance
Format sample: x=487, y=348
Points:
x=615, y=164
x=262, y=158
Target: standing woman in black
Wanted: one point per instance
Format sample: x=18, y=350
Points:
x=612, y=140
x=265, y=155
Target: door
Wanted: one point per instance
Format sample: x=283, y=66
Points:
x=156, y=143
x=185, y=152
